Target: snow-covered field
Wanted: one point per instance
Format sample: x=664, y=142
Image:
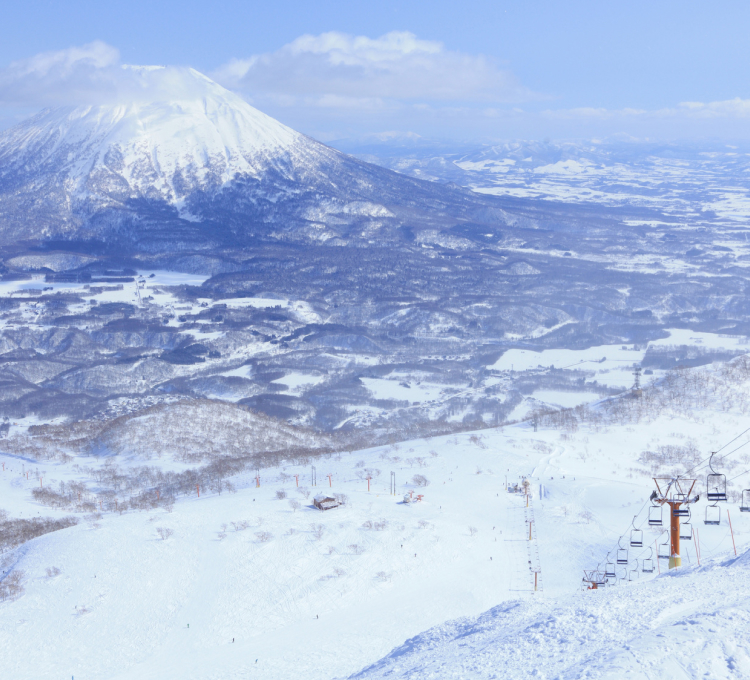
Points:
x=249, y=585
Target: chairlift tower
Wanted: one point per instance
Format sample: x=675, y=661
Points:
x=674, y=496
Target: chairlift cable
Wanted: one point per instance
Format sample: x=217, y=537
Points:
x=705, y=460
x=726, y=455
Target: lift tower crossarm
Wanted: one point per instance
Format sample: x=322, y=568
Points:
x=674, y=496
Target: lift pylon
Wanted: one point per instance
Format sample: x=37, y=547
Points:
x=674, y=493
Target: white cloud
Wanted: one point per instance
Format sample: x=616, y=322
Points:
x=396, y=66
x=734, y=108
x=89, y=74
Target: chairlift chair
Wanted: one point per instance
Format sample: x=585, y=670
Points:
x=636, y=538
x=716, y=484
x=683, y=510
x=609, y=570
x=633, y=573
x=716, y=487
x=648, y=566
x=654, y=516
x=713, y=515
x=622, y=556
x=686, y=529
x=665, y=550
x=745, y=503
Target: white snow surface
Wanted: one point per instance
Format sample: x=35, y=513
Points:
x=692, y=623
x=383, y=572
x=206, y=135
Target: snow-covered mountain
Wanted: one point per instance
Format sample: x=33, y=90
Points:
x=147, y=173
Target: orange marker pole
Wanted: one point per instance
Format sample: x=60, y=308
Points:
x=198, y=489
x=732, y=532
x=368, y=484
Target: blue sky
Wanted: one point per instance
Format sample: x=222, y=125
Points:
x=456, y=70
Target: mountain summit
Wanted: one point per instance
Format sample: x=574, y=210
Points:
x=166, y=148
x=193, y=168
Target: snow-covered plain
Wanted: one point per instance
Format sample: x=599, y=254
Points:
x=313, y=594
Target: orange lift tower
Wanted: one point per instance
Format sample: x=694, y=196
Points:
x=671, y=492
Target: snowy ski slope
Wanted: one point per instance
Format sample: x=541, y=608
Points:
x=324, y=595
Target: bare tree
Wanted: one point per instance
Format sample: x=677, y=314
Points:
x=296, y=505
x=281, y=494
x=264, y=536
x=473, y=531
x=317, y=530
x=164, y=532
x=420, y=480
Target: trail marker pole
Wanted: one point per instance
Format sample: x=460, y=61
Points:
x=393, y=483
x=329, y=479
x=697, y=552
x=314, y=473
x=536, y=576
x=368, y=485
x=158, y=495
x=296, y=477
x=40, y=482
x=530, y=523
x=731, y=531
x=198, y=489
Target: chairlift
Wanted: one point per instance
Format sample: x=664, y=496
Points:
x=647, y=564
x=636, y=537
x=716, y=485
x=633, y=573
x=686, y=529
x=665, y=549
x=713, y=515
x=654, y=516
x=609, y=570
x=745, y=503
x=682, y=510
x=622, y=554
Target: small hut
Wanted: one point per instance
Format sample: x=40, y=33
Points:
x=325, y=502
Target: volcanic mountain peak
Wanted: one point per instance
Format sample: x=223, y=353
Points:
x=197, y=128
